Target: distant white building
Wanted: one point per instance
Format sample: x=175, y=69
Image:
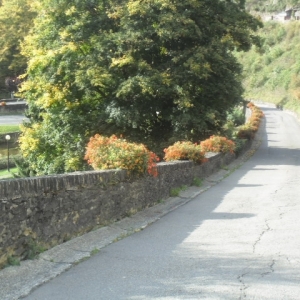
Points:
x=282, y=16
x=292, y=13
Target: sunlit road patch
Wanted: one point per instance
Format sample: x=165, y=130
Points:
x=12, y=120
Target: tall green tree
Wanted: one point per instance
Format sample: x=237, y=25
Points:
x=16, y=19
x=154, y=70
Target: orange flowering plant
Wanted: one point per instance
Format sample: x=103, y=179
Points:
x=217, y=144
x=185, y=151
x=3, y=103
x=248, y=130
x=116, y=153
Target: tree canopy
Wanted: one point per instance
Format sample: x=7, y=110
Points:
x=16, y=19
x=155, y=71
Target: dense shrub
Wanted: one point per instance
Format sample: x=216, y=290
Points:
x=23, y=169
x=218, y=144
x=248, y=130
x=236, y=116
x=239, y=145
x=12, y=164
x=185, y=151
x=116, y=153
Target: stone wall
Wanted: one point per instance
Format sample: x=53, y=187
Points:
x=49, y=210
x=13, y=108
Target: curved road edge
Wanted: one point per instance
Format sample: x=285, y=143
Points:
x=18, y=281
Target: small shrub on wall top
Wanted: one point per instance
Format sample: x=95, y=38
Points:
x=248, y=130
x=218, y=144
x=116, y=153
x=185, y=151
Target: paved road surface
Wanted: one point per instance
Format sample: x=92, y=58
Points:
x=238, y=240
x=11, y=119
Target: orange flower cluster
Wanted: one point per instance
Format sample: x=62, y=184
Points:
x=185, y=151
x=3, y=103
x=248, y=130
x=217, y=144
x=116, y=153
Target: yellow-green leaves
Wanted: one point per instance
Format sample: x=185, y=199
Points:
x=16, y=20
x=152, y=70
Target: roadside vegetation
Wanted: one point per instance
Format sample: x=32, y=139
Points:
x=16, y=19
x=272, y=71
x=9, y=128
x=116, y=152
x=13, y=149
x=155, y=75
x=5, y=174
x=151, y=74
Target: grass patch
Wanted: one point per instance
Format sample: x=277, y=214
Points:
x=197, y=182
x=176, y=191
x=9, y=128
x=33, y=249
x=225, y=168
x=95, y=251
x=4, y=174
x=12, y=261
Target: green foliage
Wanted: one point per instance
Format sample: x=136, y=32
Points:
x=9, y=128
x=3, y=165
x=185, y=151
x=4, y=174
x=239, y=145
x=271, y=73
x=236, y=116
x=33, y=249
x=247, y=131
x=154, y=71
x=176, y=191
x=116, y=153
x=16, y=19
x=22, y=168
x=13, y=261
x=197, y=182
x=229, y=129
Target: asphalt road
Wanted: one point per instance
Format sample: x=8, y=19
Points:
x=11, y=119
x=238, y=240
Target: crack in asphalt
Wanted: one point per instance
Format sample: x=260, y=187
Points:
x=271, y=269
x=261, y=235
x=244, y=286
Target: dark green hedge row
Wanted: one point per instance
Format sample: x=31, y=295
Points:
x=12, y=164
